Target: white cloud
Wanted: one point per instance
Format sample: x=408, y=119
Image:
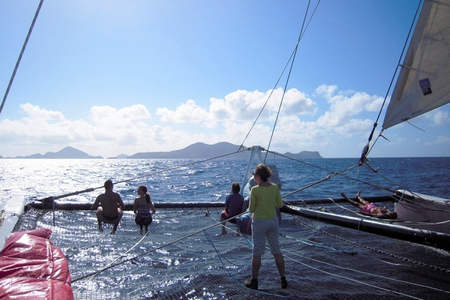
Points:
x=354, y=126
x=344, y=105
x=438, y=117
x=107, y=131
x=302, y=125
x=188, y=112
x=240, y=105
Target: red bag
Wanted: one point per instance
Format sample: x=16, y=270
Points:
x=32, y=268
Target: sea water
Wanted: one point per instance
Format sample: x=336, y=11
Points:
x=172, y=180
x=210, y=266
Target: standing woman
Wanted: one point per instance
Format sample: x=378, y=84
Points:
x=264, y=199
x=142, y=207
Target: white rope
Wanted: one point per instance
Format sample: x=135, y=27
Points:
x=348, y=278
x=124, y=254
x=351, y=279
x=376, y=186
x=328, y=177
x=229, y=274
x=373, y=274
x=156, y=248
x=376, y=250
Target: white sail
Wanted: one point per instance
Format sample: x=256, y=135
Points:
x=424, y=81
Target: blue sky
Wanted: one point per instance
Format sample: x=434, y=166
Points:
x=112, y=77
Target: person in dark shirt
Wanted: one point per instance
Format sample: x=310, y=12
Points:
x=233, y=206
x=109, y=207
x=142, y=207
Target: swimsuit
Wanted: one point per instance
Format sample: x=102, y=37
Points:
x=143, y=216
x=367, y=208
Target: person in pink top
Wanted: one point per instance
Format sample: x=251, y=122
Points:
x=369, y=208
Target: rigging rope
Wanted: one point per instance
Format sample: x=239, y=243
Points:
x=392, y=80
x=13, y=75
x=155, y=249
x=325, y=169
x=345, y=277
x=376, y=250
x=231, y=276
x=351, y=279
x=373, y=274
x=126, y=252
x=162, y=246
x=400, y=186
x=279, y=78
x=287, y=79
x=328, y=177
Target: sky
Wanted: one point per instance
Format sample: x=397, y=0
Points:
x=111, y=77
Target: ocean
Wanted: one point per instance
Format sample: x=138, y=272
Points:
x=213, y=267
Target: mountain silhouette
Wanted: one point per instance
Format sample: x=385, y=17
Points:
x=202, y=150
x=67, y=152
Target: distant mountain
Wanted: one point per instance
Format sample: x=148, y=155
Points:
x=197, y=150
x=67, y=152
x=202, y=150
x=304, y=155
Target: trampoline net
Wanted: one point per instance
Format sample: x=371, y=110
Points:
x=208, y=266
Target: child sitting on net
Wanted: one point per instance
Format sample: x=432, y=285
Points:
x=233, y=206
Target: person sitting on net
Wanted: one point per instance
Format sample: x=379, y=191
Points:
x=368, y=208
x=142, y=207
x=233, y=206
x=109, y=207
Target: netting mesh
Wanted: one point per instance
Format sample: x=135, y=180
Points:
x=207, y=266
x=188, y=269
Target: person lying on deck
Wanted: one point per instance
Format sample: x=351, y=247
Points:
x=109, y=207
x=233, y=206
x=370, y=209
x=142, y=207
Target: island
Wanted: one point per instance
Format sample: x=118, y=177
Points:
x=66, y=153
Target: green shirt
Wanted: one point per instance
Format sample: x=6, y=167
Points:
x=264, y=200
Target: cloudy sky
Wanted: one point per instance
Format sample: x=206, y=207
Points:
x=111, y=77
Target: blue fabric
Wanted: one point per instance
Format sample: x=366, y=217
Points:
x=233, y=204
